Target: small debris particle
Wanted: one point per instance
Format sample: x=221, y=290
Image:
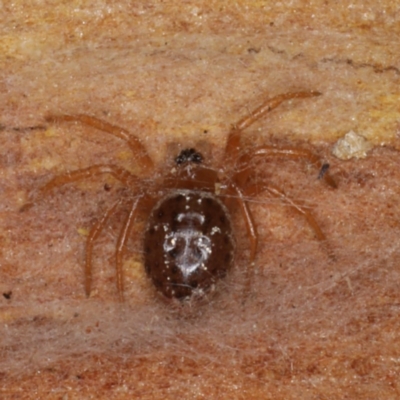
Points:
x=351, y=145
x=83, y=231
x=7, y=295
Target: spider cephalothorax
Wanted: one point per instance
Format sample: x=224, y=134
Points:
x=188, y=242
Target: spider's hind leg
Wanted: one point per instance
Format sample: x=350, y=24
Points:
x=236, y=193
x=93, y=235
x=121, y=245
x=254, y=190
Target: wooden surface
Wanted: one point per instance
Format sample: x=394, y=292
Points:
x=178, y=74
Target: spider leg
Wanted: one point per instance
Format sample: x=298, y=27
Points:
x=93, y=235
x=121, y=174
x=133, y=142
x=121, y=243
x=234, y=191
x=256, y=189
x=286, y=152
x=248, y=219
x=233, y=142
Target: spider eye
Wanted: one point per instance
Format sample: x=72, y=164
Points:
x=197, y=158
x=189, y=155
x=180, y=159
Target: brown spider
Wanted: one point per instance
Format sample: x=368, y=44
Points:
x=188, y=242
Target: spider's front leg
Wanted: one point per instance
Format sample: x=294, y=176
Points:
x=232, y=147
x=138, y=150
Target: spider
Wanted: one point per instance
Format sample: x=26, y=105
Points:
x=188, y=242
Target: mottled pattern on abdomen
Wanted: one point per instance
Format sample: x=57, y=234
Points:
x=188, y=243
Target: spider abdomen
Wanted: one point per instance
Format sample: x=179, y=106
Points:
x=188, y=243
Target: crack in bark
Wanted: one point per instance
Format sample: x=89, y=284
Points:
x=23, y=128
x=377, y=68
